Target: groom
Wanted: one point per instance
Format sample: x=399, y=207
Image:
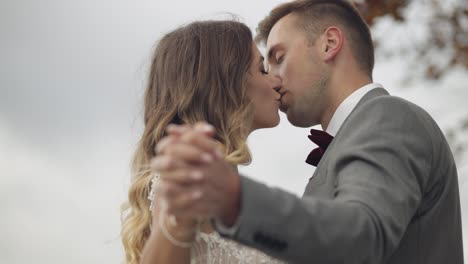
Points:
x=385, y=189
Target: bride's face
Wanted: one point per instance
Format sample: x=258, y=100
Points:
x=262, y=91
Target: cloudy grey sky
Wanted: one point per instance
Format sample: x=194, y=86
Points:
x=72, y=75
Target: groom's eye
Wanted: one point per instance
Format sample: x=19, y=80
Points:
x=279, y=58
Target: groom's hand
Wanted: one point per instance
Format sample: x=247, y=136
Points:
x=195, y=179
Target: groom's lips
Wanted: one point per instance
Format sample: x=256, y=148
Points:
x=282, y=93
x=282, y=107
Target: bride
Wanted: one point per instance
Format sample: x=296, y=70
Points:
x=205, y=71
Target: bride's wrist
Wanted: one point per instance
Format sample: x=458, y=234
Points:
x=183, y=229
x=177, y=235
x=182, y=223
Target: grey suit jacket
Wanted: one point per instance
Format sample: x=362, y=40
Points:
x=386, y=191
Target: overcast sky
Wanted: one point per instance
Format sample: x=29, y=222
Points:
x=72, y=74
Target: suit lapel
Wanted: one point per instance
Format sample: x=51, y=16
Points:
x=320, y=172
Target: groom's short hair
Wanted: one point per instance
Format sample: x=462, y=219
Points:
x=315, y=15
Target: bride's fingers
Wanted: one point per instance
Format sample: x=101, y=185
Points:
x=205, y=128
x=164, y=143
x=198, y=203
x=181, y=204
x=165, y=163
x=189, y=154
x=200, y=137
x=184, y=176
x=187, y=201
x=200, y=127
x=168, y=191
x=180, y=156
x=203, y=142
x=177, y=130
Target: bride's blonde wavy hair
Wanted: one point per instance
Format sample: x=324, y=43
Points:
x=198, y=73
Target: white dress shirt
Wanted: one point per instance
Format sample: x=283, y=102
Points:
x=347, y=106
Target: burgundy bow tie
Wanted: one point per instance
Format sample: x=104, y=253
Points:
x=322, y=139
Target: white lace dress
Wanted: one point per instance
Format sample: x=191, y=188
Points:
x=213, y=249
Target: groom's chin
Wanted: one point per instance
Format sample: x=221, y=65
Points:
x=299, y=121
x=283, y=108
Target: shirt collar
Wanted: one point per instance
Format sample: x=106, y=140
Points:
x=347, y=106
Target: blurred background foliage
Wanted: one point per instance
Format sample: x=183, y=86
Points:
x=447, y=25
x=443, y=48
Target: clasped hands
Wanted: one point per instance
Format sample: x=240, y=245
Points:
x=195, y=180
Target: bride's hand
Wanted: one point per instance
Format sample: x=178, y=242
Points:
x=181, y=228
x=197, y=181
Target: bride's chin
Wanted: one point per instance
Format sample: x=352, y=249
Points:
x=275, y=121
x=270, y=124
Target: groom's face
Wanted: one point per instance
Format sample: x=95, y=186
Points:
x=296, y=60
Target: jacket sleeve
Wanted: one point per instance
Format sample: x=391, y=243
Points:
x=379, y=173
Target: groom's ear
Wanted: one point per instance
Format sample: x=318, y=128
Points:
x=331, y=44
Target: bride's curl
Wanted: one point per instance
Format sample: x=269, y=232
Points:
x=198, y=73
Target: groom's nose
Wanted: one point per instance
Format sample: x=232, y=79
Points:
x=276, y=82
x=274, y=70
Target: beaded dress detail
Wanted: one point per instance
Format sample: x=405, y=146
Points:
x=213, y=249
